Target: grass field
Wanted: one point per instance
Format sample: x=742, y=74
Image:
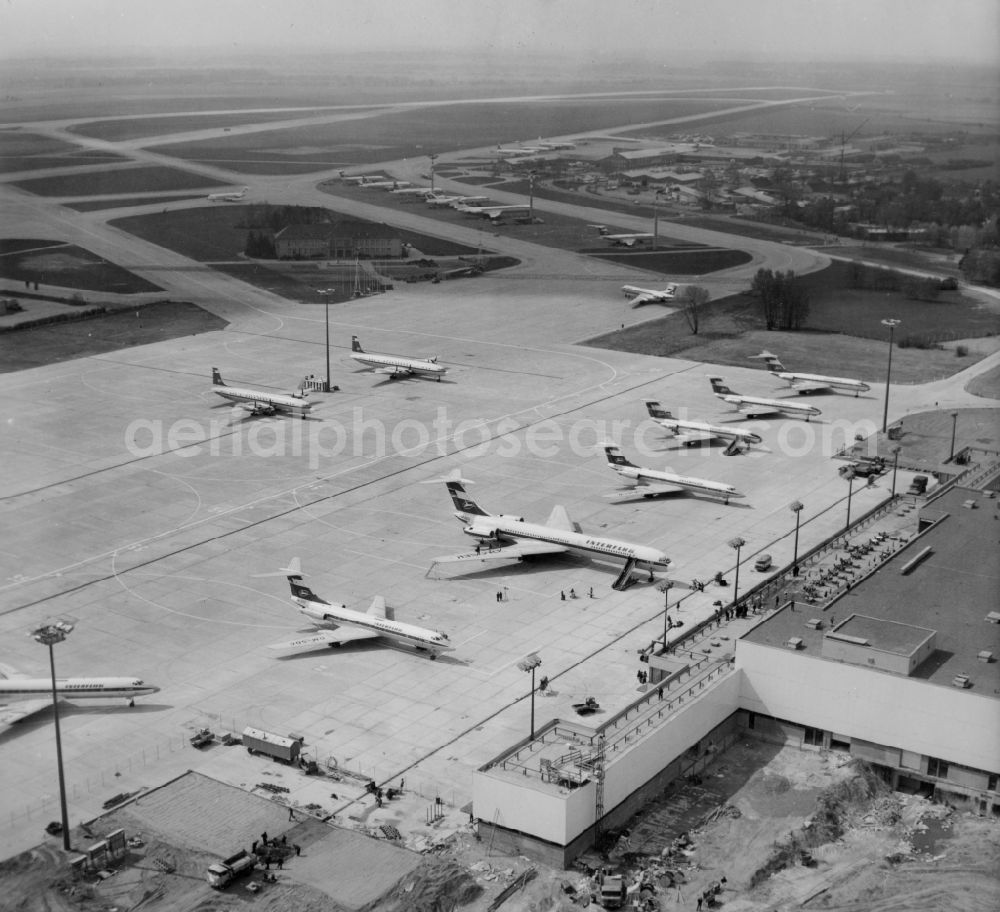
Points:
x=565, y=233
x=116, y=180
x=49, y=344
x=844, y=336
x=836, y=307
x=31, y=152
x=16, y=245
x=443, y=128
x=141, y=127
x=209, y=235
x=68, y=266
x=679, y=262
x=91, y=205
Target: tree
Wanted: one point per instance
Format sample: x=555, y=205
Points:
x=694, y=298
x=784, y=301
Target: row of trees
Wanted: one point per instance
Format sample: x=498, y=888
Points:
x=274, y=218
x=784, y=301
x=260, y=244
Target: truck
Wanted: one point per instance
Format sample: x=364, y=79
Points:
x=613, y=891
x=276, y=747
x=202, y=738
x=223, y=873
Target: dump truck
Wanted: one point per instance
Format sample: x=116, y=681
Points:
x=613, y=891
x=223, y=873
x=276, y=747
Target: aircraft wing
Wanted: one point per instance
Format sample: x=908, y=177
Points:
x=11, y=713
x=693, y=436
x=809, y=386
x=394, y=371
x=752, y=409
x=324, y=638
x=518, y=551
x=647, y=297
x=646, y=490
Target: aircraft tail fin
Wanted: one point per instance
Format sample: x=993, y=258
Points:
x=464, y=503
x=719, y=387
x=377, y=607
x=615, y=457
x=293, y=573
x=773, y=362
x=356, y=345
x=217, y=378
x=656, y=410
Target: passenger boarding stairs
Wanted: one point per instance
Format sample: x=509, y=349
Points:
x=625, y=577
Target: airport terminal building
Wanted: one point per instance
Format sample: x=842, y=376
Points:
x=900, y=671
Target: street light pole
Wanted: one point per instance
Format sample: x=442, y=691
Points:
x=666, y=606
x=326, y=292
x=849, y=475
x=656, y=218
x=954, y=423
x=49, y=634
x=432, y=157
x=737, y=543
x=529, y=663
x=895, y=465
x=796, y=508
x=892, y=324
x=531, y=197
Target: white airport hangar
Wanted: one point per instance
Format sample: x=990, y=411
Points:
x=900, y=670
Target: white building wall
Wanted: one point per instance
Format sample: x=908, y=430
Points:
x=560, y=815
x=668, y=741
x=959, y=726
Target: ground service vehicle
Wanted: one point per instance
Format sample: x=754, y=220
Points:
x=613, y=892
x=276, y=747
x=762, y=563
x=223, y=873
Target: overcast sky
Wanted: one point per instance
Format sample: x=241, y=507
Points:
x=960, y=30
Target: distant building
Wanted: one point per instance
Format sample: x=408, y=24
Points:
x=343, y=240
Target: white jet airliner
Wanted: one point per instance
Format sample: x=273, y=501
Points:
x=258, y=402
x=653, y=483
x=395, y=365
x=810, y=383
x=32, y=695
x=230, y=197
x=505, y=537
x=338, y=624
x=755, y=407
x=688, y=433
x=649, y=295
x=492, y=212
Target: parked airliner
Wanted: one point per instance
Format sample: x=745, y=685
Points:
x=505, y=537
x=258, y=402
x=810, y=383
x=338, y=624
x=395, y=365
x=230, y=197
x=649, y=295
x=755, y=407
x=32, y=695
x=689, y=433
x=654, y=483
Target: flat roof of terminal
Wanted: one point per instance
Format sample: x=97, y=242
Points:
x=889, y=636
x=952, y=591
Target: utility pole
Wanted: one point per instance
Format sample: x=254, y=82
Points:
x=49, y=634
x=892, y=324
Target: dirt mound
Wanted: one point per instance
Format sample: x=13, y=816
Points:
x=435, y=884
